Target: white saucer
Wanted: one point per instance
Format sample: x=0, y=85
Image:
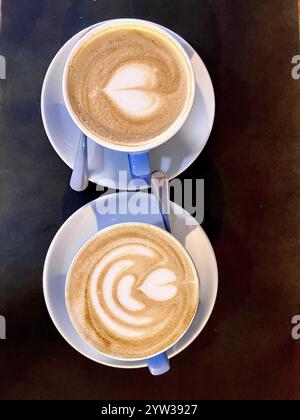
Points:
x=90, y=219
x=173, y=157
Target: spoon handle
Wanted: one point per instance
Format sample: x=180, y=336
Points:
x=80, y=176
x=160, y=188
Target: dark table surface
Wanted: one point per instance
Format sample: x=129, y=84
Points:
x=252, y=203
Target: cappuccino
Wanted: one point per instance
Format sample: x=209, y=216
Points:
x=128, y=84
x=132, y=291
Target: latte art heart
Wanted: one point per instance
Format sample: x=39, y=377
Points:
x=132, y=89
x=157, y=285
x=132, y=291
x=129, y=84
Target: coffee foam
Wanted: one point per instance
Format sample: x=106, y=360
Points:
x=128, y=84
x=132, y=291
x=130, y=89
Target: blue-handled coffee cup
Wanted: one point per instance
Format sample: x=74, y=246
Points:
x=137, y=146
x=132, y=292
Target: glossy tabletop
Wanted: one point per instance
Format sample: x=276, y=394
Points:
x=252, y=203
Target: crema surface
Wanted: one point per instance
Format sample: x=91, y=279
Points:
x=128, y=84
x=132, y=291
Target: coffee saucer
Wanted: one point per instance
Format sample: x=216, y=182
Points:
x=173, y=157
x=95, y=216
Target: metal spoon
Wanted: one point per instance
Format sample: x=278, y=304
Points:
x=80, y=176
x=160, y=188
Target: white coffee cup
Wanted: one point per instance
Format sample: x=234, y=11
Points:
x=158, y=363
x=138, y=154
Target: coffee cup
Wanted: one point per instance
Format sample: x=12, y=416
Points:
x=132, y=292
x=129, y=86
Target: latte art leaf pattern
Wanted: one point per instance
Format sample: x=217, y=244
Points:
x=132, y=291
x=110, y=278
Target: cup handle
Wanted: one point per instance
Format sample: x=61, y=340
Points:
x=140, y=166
x=158, y=365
